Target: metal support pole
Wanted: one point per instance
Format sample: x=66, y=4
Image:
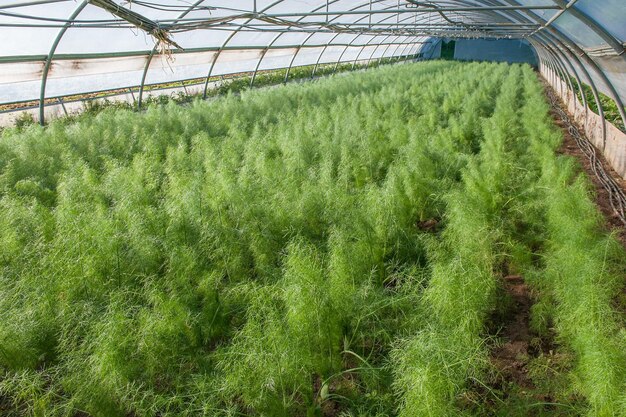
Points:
x=46, y=68
x=154, y=48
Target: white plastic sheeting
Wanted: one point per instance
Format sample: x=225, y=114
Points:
x=55, y=48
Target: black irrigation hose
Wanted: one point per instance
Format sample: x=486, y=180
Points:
x=617, y=198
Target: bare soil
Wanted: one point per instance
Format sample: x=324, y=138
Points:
x=511, y=357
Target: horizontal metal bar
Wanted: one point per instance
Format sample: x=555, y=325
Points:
x=102, y=94
x=31, y=3
x=373, y=24
x=413, y=10
x=70, y=57
x=256, y=25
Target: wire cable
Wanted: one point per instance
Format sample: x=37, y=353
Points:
x=617, y=198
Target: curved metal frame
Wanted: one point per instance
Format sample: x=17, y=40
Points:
x=46, y=68
x=575, y=51
x=149, y=60
x=304, y=41
x=556, y=50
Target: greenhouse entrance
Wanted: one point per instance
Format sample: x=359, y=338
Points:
x=447, y=49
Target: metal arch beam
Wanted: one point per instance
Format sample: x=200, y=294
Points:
x=561, y=72
x=412, y=43
x=365, y=46
x=594, y=89
x=304, y=41
x=603, y=77
x=560, y=40
x=387, y=48
x=569, y=45
x=46, y=68
x=258, y=64
x=493, y=8
x=323, y=50
x=309, y=37
x=571, y=68
x=409, y=45
x=407, y=52
x=225, y=43
x=596, y=96
x=489, y=9
x=499, y=12
x=343, y=52
x=421, y=20
x=556, y=76
x=552, y=70
x=412, y=51
x=402, y=56
x=393, y=54
x=357, y=36
x=561, y=67
x=293, y=58
x=149, y=59
x=615, y=44
x=516, y=15
x=411, y=39
x=330, y=43
x=382, y=55
x=377, y=46
x=361, y=51
x=397, y=56
x=351, y=41
x=322, y=54
x=215, y=58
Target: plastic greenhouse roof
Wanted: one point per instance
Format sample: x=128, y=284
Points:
x=54, y=48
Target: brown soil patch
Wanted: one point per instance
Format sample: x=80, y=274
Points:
x=430, y=225
x=510, y=358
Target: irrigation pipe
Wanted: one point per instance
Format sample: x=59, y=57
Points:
x=617, y=198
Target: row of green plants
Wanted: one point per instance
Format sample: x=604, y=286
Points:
x=481, y=242
x=225, y=85
x=583, y=270
x=519, y=209
x=324, y=248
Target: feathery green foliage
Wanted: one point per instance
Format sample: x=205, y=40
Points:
x=323, y=248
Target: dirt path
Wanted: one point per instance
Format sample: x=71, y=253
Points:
x=517, y=388
x=511, y=358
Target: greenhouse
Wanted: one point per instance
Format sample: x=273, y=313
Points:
x=312, y=208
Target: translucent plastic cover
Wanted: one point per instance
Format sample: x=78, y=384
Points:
x=55, y=48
